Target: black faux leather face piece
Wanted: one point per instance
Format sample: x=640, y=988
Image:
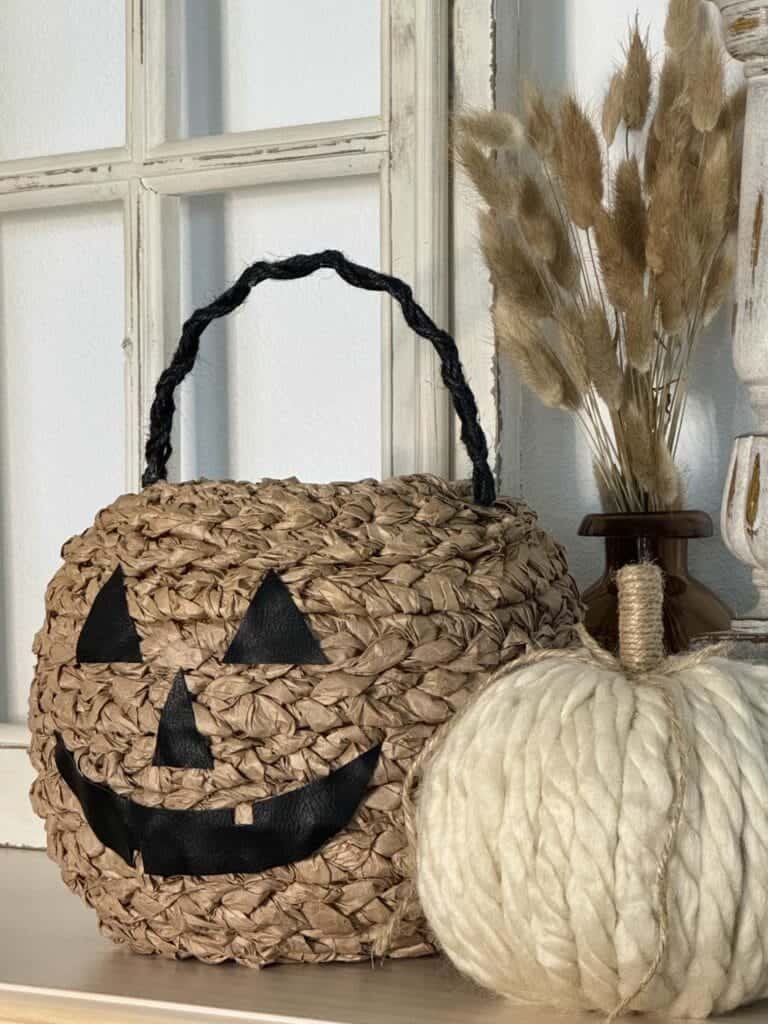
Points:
x=108, y=634
x=179, y=744
x=285, y=828
x=274, y=632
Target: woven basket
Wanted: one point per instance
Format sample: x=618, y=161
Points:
x=233, y=679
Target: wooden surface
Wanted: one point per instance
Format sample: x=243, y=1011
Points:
x=55, y=968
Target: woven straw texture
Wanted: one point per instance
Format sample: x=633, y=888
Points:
x=415, y=594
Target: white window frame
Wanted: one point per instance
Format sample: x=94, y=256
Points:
x=484, y=77
x=422, y=219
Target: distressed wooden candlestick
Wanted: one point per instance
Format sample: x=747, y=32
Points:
x=745, y=504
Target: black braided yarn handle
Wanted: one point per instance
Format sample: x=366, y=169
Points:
x=158, y=449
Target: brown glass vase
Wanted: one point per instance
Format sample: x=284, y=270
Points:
x=690, y=608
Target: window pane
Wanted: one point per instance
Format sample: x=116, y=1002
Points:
x=291, y=383
x=61, y=407
x=62, y=76
x=237, y=65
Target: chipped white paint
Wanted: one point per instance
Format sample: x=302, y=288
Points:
x=510, y=397
x=745, y=520
x=406, y=145
x=473, y=87
x=745, y=507
x=272, y=146
x=417, y=61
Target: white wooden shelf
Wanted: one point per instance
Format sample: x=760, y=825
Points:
x=55, y=968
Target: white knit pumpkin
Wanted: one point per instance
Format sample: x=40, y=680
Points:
x=541, y=819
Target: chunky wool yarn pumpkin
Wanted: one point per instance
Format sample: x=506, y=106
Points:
x=594, y=834
x=233, y=679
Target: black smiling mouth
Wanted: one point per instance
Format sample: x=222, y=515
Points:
x=286, y=828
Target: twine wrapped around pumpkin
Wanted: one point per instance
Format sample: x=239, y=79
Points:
x=592, y=833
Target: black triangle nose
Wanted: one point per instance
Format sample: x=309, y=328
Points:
x=179, y=743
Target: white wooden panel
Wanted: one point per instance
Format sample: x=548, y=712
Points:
x=291, y=384
x=61, y=407
x=20, y=825
x=239, y=65
x=578, y=43
x=419, y=227
x=62, y=76
x=474, y=86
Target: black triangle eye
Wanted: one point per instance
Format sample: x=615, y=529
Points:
x=273, y=631
x=109, y=634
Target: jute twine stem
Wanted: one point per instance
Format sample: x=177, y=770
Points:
x=641, y=617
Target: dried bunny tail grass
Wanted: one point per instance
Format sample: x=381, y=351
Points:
x=546, y=234
x=565, y=267
x=710, y=208
x=539, y=123
x=651, y=157
x=495, y=129
x=706, y=83
x=515, y=330
x=668, y=144
x=538, y=225
x=601, y=356
x=613, y=104
x=719, y=280
x=629, y=210
x=678, y=284
x=638, y=333
x=496, y=187
x=545, y=376
x=579, y=164
x=636, y=93
x=650, y=459
x=668, y=485
x=628, y=387
x=671, y=302
x=512, y=270
x=677, y=132
x=671, y=85
x=539, y=369
x=622, y=277
x=682, y=23
x=664, y=213
x=737, y=108
x=574, y=356
x=678, y=279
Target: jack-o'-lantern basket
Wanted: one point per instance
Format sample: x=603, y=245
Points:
x=233, y=679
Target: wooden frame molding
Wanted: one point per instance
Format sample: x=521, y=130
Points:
x=474, y=86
